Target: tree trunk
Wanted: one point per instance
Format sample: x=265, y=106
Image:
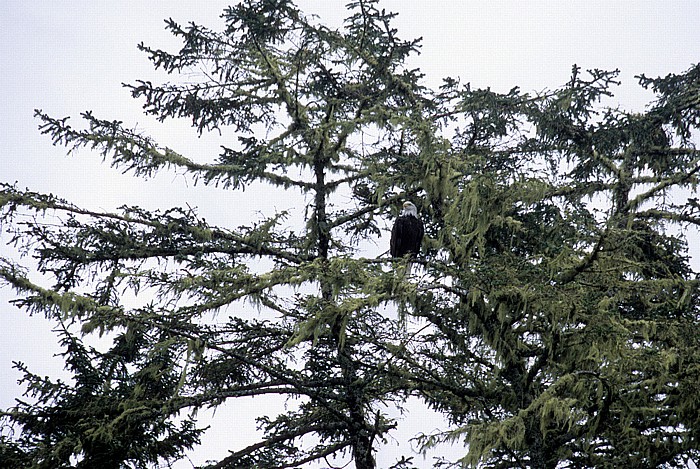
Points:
x=360, y=433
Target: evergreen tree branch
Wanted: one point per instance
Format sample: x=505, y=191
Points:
x=141, y=155
x=232, y=460
x=201, y=234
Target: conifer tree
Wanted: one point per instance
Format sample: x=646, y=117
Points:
x=567, y=333
x=556, y=304
x=313, y=91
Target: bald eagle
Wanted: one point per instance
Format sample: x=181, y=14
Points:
x=407, y=234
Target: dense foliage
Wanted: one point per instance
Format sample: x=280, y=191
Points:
x=553, y=320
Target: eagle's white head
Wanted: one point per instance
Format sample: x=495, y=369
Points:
x=409, y=209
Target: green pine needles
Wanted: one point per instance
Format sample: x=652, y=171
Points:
x=553, y=322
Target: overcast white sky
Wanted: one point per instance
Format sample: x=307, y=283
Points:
x=66, y=57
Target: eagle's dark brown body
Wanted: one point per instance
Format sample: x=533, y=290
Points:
x=407, y=234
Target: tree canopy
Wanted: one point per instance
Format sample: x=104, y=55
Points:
x=553, y=320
